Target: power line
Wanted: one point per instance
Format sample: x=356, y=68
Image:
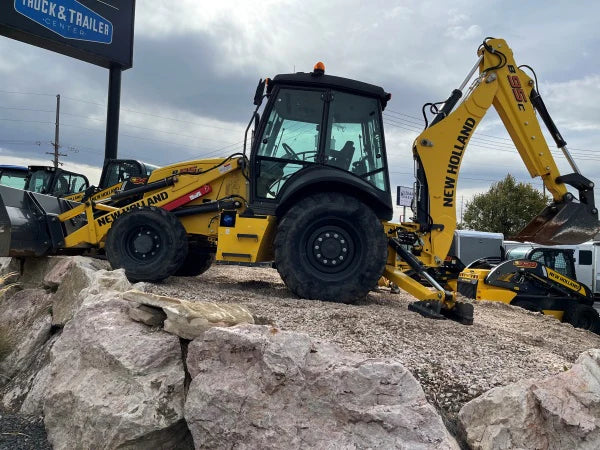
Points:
x=126, y=124
x=27, y=93
x=26, y=109
x=476, y=142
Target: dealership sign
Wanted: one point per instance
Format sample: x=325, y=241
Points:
x=69, y=19
x=96, y=31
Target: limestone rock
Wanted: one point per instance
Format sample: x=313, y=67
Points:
x=26, y=390
x=148, y=315
x=191, y=319
x=70, y=276
x=25, y=325
x=115, y=383
x=62, y=267
x=259, y=387
x=35, y=269
x=558, y=412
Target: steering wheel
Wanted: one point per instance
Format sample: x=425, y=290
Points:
x=288, y=151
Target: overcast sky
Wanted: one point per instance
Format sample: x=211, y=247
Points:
x=196, y=65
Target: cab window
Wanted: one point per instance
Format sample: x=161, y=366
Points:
x=290, y=140
x=13, y=178
x=517, y=253
x=39, y=181
x=120, y=171
x=355, y=138
x=77, y=183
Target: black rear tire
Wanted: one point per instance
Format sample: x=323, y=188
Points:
x=149, y=243
x=583, y=316
x=197, y=262
x=330, y=247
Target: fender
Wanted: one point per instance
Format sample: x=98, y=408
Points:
x=324, y=178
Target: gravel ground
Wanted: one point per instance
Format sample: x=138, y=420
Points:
x=454, y=363
x=21, y=433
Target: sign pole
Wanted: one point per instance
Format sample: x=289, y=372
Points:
x=112, y=113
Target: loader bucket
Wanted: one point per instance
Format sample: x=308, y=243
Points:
x=566, y=223
x=28, y=225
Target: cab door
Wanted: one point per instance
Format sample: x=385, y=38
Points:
x=290, y=140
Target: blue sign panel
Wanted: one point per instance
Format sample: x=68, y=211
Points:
x=67, y=18
x=96, y=31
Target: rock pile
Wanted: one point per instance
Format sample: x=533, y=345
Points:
x=69, y=352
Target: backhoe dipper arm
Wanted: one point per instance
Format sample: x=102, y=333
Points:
x=439, y=149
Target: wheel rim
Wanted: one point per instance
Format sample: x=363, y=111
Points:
x=331, y=248
x=143, y=243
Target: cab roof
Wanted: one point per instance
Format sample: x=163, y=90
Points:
x=11, y=167
x=316, y=80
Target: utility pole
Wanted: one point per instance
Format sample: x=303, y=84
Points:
x=544, y=190
x=55, y=144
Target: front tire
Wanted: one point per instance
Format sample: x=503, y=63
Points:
x=149, y=243
x=330, y=247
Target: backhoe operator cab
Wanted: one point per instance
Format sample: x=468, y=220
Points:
x=56, y=182
x=117, y=175
x=119, y=170
x=320, y=133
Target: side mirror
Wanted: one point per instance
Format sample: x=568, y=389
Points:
x=260, y=89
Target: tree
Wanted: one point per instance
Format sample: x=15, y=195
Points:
x=506, y=208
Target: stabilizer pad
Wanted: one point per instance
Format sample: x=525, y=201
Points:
x=428, y=308
x=462, y=312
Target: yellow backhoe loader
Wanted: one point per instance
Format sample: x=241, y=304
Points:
x=313, y=195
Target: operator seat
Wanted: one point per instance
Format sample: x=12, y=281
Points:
x=343, y=157
x=62, y=186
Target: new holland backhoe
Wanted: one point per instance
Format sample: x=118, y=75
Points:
x=313, y=195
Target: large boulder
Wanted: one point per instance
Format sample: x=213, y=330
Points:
x=69, y=277
x=25, y=325
x=260, y=387
x=186, y=319
x=115, y=383
x=558, y=412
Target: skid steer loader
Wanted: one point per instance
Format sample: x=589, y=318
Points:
x=313, y=195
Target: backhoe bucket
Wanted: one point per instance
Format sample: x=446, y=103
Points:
x=28, y=222
x=566, y=223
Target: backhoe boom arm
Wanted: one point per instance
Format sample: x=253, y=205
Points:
x=439, y=150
